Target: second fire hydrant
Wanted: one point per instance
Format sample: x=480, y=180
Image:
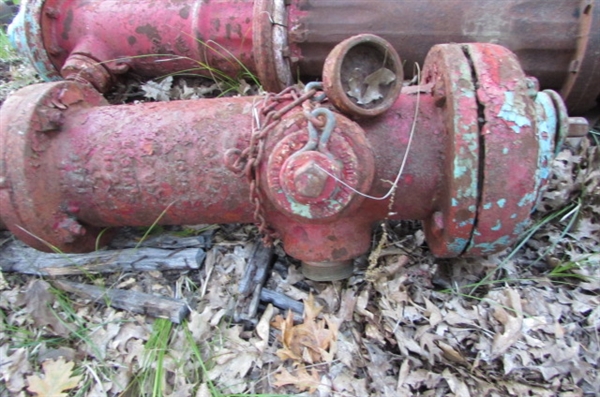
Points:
x=474, y=142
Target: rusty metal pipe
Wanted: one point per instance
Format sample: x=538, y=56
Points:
x=483, y=139
x=556, y=41
x=126, y=165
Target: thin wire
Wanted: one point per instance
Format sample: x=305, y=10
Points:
x=404, y=159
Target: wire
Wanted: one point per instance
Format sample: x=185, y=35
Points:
x=404, y=159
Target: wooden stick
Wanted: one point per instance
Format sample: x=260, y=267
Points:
x=21, y=259
x=137, y=302
x=281, y=301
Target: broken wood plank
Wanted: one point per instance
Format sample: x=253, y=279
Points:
x=175, y=310
x=256, y=268
x=281, y=301
x=19, y=258
x=252, y=282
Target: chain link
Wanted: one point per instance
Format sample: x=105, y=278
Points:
x=266, y=120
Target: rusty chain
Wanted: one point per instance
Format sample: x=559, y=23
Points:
x=268, y=118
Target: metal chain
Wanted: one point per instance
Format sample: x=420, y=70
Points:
x=267, y=119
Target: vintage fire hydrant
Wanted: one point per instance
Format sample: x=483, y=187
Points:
x=557, y=41
x=474, y=142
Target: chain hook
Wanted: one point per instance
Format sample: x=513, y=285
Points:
x=317, y=86
x=314, y=142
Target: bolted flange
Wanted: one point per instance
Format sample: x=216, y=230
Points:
x=502, y=137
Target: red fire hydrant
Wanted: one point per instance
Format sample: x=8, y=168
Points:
x=557, y=41
x=474, y=142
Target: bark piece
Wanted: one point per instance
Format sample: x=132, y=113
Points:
x=137, y=302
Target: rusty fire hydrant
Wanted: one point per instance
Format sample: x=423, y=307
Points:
x=557, y=41
x=474, y=142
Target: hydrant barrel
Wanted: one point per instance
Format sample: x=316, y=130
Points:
x=468, y=152
x=557, y=41
x=81, y=162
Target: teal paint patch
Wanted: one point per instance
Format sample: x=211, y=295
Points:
x=527, y=199
x=472, y=208
x=465, y=164
x=454, y=202
x=547, y=121
x=334, y=205
x=302, y=210
x=467, y=222
x=487, y=206
x=494, y=246
x=515, y=112
x=458, y=245
x=521, y=227
x=505, y=150
x=497, y=226
x=501, y=203
x=25, y=35
x=513, y=216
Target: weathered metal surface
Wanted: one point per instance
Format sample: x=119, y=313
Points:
x=271, y=50
x=71, y=166
x=556, y=41
x=509, y=149
x=450, y=227
x=150, y=38
x=363, y=75
x=297, y=179
x=25, y=34
x=581, y=87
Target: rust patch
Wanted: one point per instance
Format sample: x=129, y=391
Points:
x=150, y=32
x=67, y=25
x=340, y=253
x=185, y=12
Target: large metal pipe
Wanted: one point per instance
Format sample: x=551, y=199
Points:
x=477, y=136
x=557, y=41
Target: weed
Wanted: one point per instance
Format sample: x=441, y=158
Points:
x=7, y=52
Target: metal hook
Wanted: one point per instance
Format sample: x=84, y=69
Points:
x=314, y=142
x=316, y=85
x=327, y=130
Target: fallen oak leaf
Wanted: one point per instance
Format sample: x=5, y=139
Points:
x=512, y=323
x=39, y=303
x=303, y=380
x=311, y=341
x=57, y=378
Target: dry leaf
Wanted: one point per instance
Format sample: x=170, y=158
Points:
x=312, y=341
x=158, y=91
x=435, y=316
x=458, y=387
x=57, y=379
x=303, y=380
x=382, y=76
x=451, y=354
x=512, y=323
x=39, y=300
x=262, y=328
